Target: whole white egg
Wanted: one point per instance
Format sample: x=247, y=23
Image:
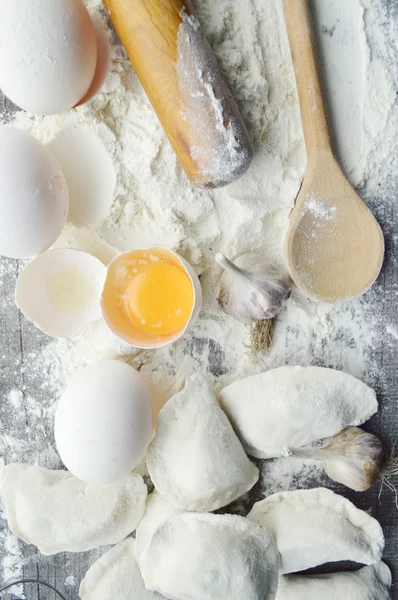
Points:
x=33, y=195
x=48, y=53
x=103, y=422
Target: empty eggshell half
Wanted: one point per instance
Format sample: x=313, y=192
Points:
x=89, y=173
x=59, y=291
x=115, y=297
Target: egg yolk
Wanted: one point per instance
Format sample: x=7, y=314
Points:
x=159, y=297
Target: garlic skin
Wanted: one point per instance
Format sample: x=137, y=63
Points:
x=353, y=457
x=252, y=289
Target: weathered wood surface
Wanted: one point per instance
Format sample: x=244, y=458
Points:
x=17, y=339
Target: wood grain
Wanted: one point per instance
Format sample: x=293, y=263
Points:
x=149, y=29
x=313, y=114
x=334, y=247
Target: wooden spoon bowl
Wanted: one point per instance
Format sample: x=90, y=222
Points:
x=334, y=246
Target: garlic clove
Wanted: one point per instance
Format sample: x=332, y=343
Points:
x=353, y=457
x=361, y=461
x=252, y=289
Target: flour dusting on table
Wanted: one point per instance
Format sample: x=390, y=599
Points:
x=154, y=203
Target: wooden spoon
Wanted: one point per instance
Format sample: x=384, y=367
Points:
x=188, y=92
x=334, y=246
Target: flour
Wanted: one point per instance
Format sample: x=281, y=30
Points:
x=11, y=556
x=70, y=581
x=319, y=209
x=221, y=147
x=154, y=203
x=15, y=398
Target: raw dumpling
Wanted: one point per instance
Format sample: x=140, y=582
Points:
x=116, y=575
x=218, y=557
x=294, y=406
x=196, y=461
x=314, y=527
x=157, y=511
x=59, y=513
x=369, y=583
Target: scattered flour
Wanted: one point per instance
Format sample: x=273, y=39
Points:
x=70, y=580
x=154, y=203
x=11, y=557
x=15, y=398
x=319, y=209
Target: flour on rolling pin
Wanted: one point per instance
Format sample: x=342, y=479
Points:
x=189, y=94
x=220, y=145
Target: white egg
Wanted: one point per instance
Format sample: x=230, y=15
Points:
x=104, y=53
x=103, y=422
x=33, y=195
x=59, y=291
x=48, y=53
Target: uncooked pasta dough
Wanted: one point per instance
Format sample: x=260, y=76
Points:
x=157, y=511
x=196, y=460
x=193, y=556
x=59, y=513
x=294, y=406
x=314, y=527
x=116, y=575
x=368, y=583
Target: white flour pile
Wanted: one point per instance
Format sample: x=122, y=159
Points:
x=154, y=203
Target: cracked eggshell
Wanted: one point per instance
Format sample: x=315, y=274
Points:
x=59, y=291
x=48, y=54
x=126, y=330
x=33, y=195
x=89, y=172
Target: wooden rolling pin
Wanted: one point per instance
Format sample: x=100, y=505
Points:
x=190, y=96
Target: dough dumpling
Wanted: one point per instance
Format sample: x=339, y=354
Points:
x=196, y=460
x=195, y=556
x=314, y=527
x=368, y=583
x=58, y=513
x=157, y=511
x=116, y=576
x=294, y=406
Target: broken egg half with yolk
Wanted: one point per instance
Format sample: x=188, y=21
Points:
x=150, y=297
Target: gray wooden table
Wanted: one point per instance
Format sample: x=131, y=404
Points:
x=18, y=339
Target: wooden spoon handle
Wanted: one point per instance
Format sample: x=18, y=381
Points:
x=191, y=98
x=299, y=29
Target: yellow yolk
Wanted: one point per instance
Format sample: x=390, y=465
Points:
x=159, y=297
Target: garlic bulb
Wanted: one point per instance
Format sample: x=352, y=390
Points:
x=352, y=457
x=251, y=288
